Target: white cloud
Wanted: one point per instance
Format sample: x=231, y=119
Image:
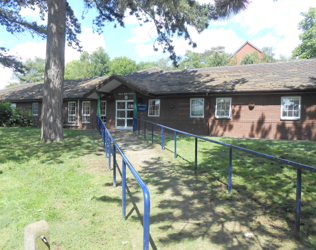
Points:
x=1, y=42
x=34, y=15
x=89, y=40
x=266, y=41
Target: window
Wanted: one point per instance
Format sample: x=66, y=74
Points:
x=223, y=107
x=13, y=105
x=290, y=107
x=86, y=112
x=197, y=107
x=71, y=112
x=103, y=111
x=35, y=108
x=154, y=107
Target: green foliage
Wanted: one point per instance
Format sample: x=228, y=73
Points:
x=10, y=116
x=217, y=59
x=146, y=65
x=268, y=54
x=191, y=60
x=307, y=49
x=94, y=65
x=252, y=58
x=34, y=71
x=122, y=66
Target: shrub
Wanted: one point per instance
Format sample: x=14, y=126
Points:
x=10, y=116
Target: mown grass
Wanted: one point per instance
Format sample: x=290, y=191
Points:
x=63, y=183
x=263, y=182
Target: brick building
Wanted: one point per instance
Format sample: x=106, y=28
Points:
x=271, y=100
x=246, y=48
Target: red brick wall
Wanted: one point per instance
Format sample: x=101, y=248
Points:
x=247, y=49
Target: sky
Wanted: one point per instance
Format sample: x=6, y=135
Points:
x=263, y=23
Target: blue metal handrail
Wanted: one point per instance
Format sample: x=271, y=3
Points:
x=107, y=139
x=136, y=126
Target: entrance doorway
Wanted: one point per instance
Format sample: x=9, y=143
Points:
x=124, y=114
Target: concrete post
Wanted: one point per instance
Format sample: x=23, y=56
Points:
x=35, y=235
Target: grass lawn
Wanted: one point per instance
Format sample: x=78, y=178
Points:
x=68, y=185
x=64, y=183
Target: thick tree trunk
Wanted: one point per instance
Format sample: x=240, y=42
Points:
x=52, y=118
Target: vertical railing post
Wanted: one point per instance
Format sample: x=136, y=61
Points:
x=124, y=189
x=114, y=165
x=152, y=133
x=109, y=153
x=146, y=221
x=138, y=127
x=162, y=138
x=106, y=144
x=175, y=144
x=196, y=147
x=230, y=170
x=298, y=201
x=145, y=131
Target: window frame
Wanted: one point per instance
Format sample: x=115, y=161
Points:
x=101, y=108
x=292, y=118
x=83, y=102
x=158, y=109
x=195, y=116
x=72, y=115
x=13, y=105
x=230, y=109
x=33, y=103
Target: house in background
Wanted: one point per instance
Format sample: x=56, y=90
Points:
x=246, y=48
x=267, y=100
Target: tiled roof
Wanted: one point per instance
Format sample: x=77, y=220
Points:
x=291, y=75
x=72, y=89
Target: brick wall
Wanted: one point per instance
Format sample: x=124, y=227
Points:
x=247, y=49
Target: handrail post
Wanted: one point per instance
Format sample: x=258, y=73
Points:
x=124, y=189
x=106, y=144
x=230, y=170
x=114, y=165
x=162, y=138
x=138, y=127
x=109, y=153
x=175, y=144
x=298, y=201
x=152, y=133
x=146, y=219
x=196, y=147
x=145, y=131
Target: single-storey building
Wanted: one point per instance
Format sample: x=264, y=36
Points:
x=270, y=100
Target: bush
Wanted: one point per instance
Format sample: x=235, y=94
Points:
x=10, y=116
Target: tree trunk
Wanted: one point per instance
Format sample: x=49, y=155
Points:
x=52, y=117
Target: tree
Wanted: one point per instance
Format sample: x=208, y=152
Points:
x=170, y=18
x=217, y=59
x=307, y=49
x=252, y=58
x=268, y=54
x=34, y=71
x=94, y=65
x=283, y=58
x=191, y=60
x=146, y=65
x=122, y=66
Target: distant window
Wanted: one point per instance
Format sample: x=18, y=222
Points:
x=197, y=107
x=154, y=107
x=86, y=112
x=103, y=111
x=71, y=112
x=290, y=107
x=223, y=107
x=13, y=105
x=35, y=108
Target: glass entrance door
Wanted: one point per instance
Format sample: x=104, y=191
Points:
x=124, y=114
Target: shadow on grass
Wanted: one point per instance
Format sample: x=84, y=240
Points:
x=23, y=144
x=260, y=188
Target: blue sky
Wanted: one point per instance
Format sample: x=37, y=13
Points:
x=264, y=23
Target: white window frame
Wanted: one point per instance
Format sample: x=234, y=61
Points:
x=150, y=105
x=196, y=116
x=230, y=108
x=89, y=111
x=72, y=115
x=13, y=105
x=103, y=115
x=33, y=108
x=292, y=117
